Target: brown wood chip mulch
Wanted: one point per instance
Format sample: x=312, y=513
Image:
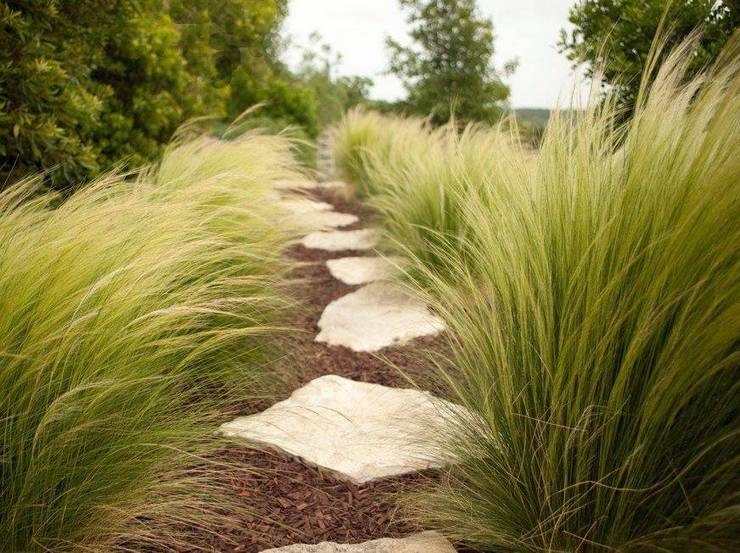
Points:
x=291, y=501
x=296, y=503
x=316, y=288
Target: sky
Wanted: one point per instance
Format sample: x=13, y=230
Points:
x=527, y=30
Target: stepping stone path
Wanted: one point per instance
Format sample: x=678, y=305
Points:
x=376, y=316
x=360, y=431
x=426, y=542
x=361, y=270
x=338, y=240
x=316, y=215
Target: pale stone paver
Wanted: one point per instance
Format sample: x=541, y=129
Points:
x=362, y=270
x=326, y=219
x=426, y=542
x=376, y=316
x=360, y=431
x=301, y=206
x=363, y=239
x=336, y=186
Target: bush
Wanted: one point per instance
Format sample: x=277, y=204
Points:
x=615, y=36
x=85, y=84
x=593, y=312
x=135, y=317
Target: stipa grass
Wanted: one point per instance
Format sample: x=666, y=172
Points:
x=594, y=316
x=420, y=178
x=133, y=318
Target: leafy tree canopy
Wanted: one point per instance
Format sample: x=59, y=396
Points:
x=86, y=83
x=615, y=36
x=448, y=68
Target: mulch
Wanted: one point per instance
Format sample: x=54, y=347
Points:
x=293, y=502
x=404, y=366
x=296, y=503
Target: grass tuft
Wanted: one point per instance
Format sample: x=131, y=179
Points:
x=592, y=290
x=134, y=316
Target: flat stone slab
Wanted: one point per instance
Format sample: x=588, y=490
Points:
x=313, y=185
x=301, y=206
x=426, y=542
x=326, y=219
x=338, y=240
x=360, y=431
x=362, y=270
x=376, y=316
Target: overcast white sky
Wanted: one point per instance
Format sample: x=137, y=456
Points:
x=525, y=29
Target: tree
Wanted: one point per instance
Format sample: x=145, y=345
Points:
x=88, y=83
x=448, y=69
x=615, y=36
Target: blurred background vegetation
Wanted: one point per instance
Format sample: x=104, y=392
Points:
x=86, y=84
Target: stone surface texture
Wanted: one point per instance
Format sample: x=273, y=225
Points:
x=360, y=431
x=313, y=185
x=376, y=316
x=363, y=239
x=426, y=542
x=326, y=219
x=362, y=270
x=301, y=206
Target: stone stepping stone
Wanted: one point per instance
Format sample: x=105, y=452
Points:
x=314, y=215
x=313, y=185
x=338, y=240
x=376, y=316
x=326, y=219
x=301, y=206
x=360, y=431
x=362, y=270
x=426, y=542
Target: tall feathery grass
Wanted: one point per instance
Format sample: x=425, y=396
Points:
x=419, y=178
x=594, y=309
x=134, y=316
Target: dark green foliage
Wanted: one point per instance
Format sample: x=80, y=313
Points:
x=448, y=71
x=88, y=83
x=284, y=99
x=47, y=112
x=615, y=36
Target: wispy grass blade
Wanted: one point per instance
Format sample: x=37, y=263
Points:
x=592, y=289
x=134, y=317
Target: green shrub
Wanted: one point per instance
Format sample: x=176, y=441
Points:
x=134, y=317
x=85, y=84
x=616, y=36
x=593, y=309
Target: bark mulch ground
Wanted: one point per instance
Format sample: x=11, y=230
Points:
x=315, y=288
x=295, y=503
x=291, y=501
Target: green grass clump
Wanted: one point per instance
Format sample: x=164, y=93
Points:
x=419, y=178
x=134, y=316
x=594, y=309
